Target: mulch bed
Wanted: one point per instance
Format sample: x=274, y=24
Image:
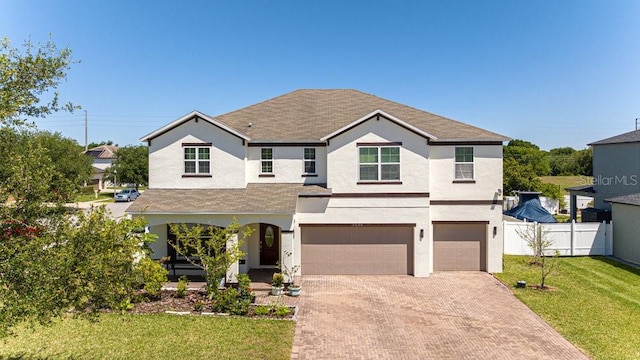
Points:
x=169, y=301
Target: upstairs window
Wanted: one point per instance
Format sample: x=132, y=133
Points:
x=266, y=161
x=464, y=163
x=380, y=163
x=197, y=160
x=309, y=160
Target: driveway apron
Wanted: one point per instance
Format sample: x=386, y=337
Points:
x=450, y=315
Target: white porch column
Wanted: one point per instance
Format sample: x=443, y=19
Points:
x=234, y=269
x=286, y=247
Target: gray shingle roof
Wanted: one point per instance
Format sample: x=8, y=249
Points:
x=103, y=152
x=630, y=137
x=254, y=199
x=632, y=199
x=308, y=115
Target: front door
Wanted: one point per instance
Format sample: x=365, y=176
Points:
x=269, y=244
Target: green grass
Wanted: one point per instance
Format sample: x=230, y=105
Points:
x=153, y=337
x=566, y=181
x=102, y=197
x=595, y=302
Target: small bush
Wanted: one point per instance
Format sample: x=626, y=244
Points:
x=244, y=287
x=198, y=306
x=181, y=288
x=225, y=300
x=240, y=307
x=152, y=275
x=278, y=279
x=282, y=311
x=262, y=310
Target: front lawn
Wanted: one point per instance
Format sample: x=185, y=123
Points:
x=154, y=337
x=102, y=197
x=594, y=302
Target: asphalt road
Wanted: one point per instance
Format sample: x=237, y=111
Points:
x=117, y=210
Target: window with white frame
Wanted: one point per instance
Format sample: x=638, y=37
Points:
x=197, y=160
x=464, y=163
x=309, y=160
x=266, y=161
x=379, y=163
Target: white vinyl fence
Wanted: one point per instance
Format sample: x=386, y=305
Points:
x=570, y=239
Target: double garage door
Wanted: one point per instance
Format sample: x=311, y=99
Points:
x=357, y=249
x=459, y=246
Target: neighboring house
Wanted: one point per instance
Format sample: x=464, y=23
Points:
x=348, y=182
x=103, y=156
x=616, y=191
x=626, y=216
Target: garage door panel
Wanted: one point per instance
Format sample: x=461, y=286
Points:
x=459, y=247
x=347, y=250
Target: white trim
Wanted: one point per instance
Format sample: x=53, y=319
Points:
x=379, y=163
x=304, y=161
x=196, y=160
x=265, y=160
x=473, y=162
x=385, y=115
x=188, y=117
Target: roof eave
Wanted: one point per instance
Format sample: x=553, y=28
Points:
x=383, y=114
x=189, y=116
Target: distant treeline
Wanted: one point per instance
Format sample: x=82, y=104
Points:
x=525, y=162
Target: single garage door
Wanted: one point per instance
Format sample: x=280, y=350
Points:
x=357, y=249
x=460, y=246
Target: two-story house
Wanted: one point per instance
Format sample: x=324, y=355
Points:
x=103, y=156
x=347, y=182
x=616, y=191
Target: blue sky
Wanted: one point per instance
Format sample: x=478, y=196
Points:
x=556, y=73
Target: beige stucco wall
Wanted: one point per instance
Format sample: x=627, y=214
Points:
x=343, y=158
x=487, y=173
x=369, y=211
x=626, y=232
x=288, y=165
x=616, y=170
x=166, y=158
x=490, y=213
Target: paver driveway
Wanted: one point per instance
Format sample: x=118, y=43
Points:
x=450, y=315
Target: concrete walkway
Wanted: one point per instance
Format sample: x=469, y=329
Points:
x=450, y=315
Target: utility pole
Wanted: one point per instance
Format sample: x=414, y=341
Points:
x=86, y=138
x=637, y=123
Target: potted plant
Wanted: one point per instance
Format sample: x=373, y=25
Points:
x=294, y=289
x=290, y=273
x=277, y=285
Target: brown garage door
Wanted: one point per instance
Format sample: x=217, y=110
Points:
x=459, y=246
x=354, y=250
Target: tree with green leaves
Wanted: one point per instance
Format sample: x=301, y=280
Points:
x=131, y=166
x=86, y=263
x=528, y=154
x=52, y=261
x=28, y=74
x=71, y=167
x=96, y=144
x=210, y=248
x=519, y=177
x=539, y=241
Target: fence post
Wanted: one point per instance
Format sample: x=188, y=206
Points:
x=573, y=237
x=609, y=238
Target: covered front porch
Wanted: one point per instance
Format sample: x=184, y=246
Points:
x=267, y=209
x=266, y=246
